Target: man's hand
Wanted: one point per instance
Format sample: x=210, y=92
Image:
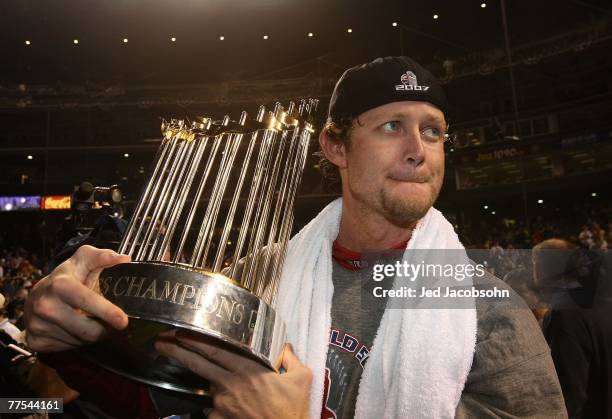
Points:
x=241, y=387
x=56, y=309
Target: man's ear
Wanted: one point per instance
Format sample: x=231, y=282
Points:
x=334, y=150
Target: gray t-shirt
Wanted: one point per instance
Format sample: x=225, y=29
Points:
x=355, y=320
x=512, y=373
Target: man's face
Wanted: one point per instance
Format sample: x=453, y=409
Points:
x=395, y=161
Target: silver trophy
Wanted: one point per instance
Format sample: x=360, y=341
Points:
x=208, y=239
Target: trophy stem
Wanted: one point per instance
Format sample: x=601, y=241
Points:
x=152, y=226
x=177, y=208
x=159, y=159
x=298, y=169
x=196, y=200
x=258, y=221
x=206, y=232
x=212, y=218
x=170, y=202
x=218, y=261
x=279, y=210
x=147, y=201
x=256, y=183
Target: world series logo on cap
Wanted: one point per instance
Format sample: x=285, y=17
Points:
x=410, y=83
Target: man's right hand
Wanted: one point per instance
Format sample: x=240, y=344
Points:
x=57, y=309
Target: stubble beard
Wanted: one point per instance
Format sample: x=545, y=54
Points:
x=405, y=212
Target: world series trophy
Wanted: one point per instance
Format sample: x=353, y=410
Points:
x=208, y=239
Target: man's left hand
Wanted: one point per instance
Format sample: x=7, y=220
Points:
x=241, y=387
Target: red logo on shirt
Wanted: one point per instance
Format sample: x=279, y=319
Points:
x=326, y=412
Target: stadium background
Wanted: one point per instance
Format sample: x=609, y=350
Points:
x=84, y=85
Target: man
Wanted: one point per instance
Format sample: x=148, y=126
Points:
x=564, y=275
x=385, y=134
x=577, y=325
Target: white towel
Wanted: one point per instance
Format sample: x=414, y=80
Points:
x=420, y=358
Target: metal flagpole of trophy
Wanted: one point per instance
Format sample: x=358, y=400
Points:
x=208, y=239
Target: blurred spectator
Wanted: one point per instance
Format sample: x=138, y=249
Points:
x=599, y=237
x=555, y=275
x=19, y=274
x=496, y=255
x=586, y=237
x=521, y=281
x=580, y=336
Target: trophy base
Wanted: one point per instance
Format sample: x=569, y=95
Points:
x=160, y=297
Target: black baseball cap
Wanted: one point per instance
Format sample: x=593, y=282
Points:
x=384, y=80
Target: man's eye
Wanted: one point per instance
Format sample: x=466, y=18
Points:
x=392, y=126
x=432, y=132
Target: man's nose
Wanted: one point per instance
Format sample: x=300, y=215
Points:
x=413, y=151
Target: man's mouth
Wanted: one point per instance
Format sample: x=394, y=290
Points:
x=408, y=179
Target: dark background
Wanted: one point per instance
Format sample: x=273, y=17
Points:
x=533, y=117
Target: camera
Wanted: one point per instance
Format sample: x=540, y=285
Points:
x=89, y=203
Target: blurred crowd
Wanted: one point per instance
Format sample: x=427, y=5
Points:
x=19, y=271
x=509, y=249
x=584, y=225
x=22, y=374
x=506, y=255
